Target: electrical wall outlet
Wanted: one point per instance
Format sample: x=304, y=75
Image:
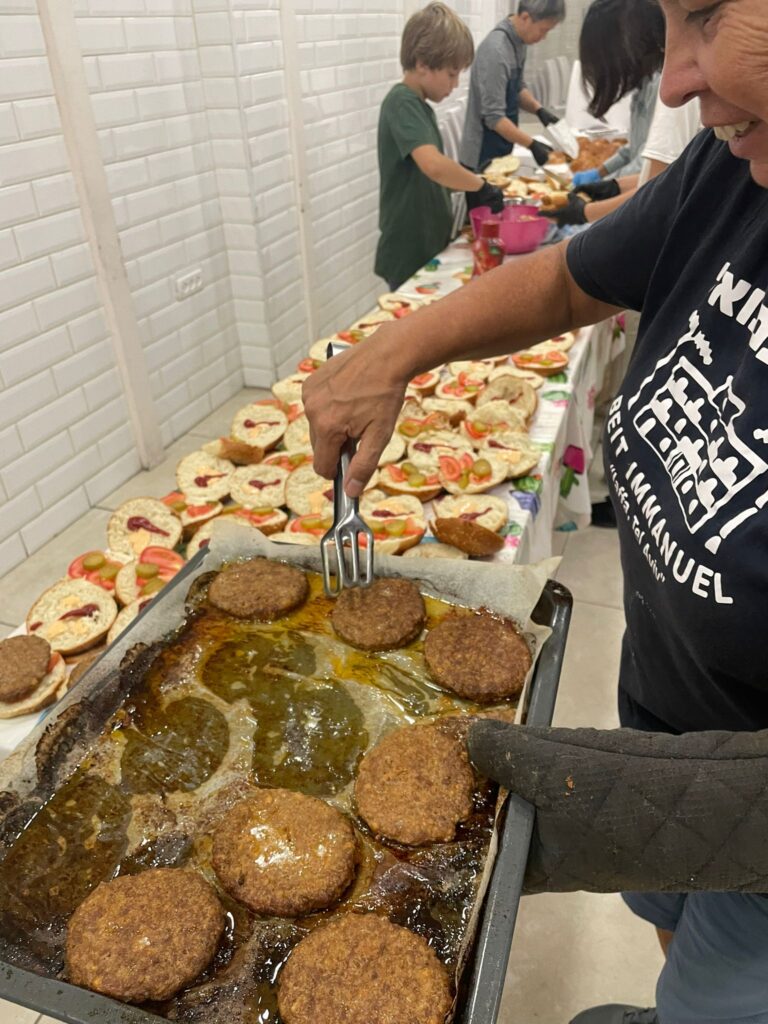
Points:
x=188, y=284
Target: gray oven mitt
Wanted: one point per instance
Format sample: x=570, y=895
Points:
x=627, y=810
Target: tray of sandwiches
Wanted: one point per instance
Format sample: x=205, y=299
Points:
x=257, y=804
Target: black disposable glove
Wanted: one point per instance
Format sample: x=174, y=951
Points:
x=628, y=810
x=571, y=214
x=546, y=116
x=599, y=190
x=486, y=195
x=541, y=152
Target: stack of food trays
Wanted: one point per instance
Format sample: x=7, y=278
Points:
x=282, y=802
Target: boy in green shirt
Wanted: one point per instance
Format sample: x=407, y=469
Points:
x=415, y=214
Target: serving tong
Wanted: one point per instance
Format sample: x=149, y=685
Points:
x=344, y=535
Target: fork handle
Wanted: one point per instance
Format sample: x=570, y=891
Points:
x=341, y=501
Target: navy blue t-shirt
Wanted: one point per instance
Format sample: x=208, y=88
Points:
x=686, y=442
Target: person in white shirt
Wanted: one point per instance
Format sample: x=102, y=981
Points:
x=670, y=133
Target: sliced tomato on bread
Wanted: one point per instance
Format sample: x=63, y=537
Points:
x=96, y=567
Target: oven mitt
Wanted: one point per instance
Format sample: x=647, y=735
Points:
x=627, y=810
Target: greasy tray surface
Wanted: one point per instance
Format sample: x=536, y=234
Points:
x=202, y=721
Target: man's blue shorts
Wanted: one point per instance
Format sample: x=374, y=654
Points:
x=717, y=967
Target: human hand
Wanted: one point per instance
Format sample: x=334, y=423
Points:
x=357, y=394
x=486, y=195
x=546, y=116
x=571, y=214
x=599, y=190
x=586, y=178
x=541, y=152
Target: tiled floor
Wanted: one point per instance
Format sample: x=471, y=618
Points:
x=570, y=951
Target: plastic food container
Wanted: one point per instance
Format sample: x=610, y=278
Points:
x=521, y=228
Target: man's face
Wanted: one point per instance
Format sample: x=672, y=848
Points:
x=531, y=31
x=719, y=52
x=438, y=83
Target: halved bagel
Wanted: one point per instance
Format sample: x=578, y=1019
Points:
x=296, y=437
x=510, y=370
x=289, y=388
x=435, y=549
x=456, y=409
x=468, y=475
x=306, y=493
x=484, y=509
x=202, y=477
x=125, y=617
x=72, y=615
x=140, y=523
x=514, y=390
x=517, y=450
x=496, y=417
x=425, y=451
x=394, y=450
x=259, y=424
x=237, y=452
x=470, y=537
x=477, y=369
x=259, y=486
x=396, y=478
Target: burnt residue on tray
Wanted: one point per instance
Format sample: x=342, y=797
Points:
x=218, y=707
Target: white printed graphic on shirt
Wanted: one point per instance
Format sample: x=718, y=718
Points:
x=695, y=419
x=692, y=426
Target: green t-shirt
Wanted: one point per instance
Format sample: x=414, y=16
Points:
x=415, y=214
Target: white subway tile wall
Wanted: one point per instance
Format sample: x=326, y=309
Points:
x=158, y=150
x=53, y=337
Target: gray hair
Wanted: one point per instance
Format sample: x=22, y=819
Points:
x=542, y=10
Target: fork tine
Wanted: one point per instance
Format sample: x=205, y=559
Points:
x=367, y=575
x=355, y=554
x=331, y=582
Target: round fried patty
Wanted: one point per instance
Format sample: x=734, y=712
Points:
x=145, y=936
x=281, y=852
x=362, y=968
x=259, y=589
x=416, y=785
x=23, y=663
x=387, y=614
x=478, y=656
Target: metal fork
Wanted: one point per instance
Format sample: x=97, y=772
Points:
x=348, y=527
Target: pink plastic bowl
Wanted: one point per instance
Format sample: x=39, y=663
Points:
x=518, y=235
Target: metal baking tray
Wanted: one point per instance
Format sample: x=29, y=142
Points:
x=484, y=975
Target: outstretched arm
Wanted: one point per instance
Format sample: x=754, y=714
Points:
x=628, y=810
x=359, y=393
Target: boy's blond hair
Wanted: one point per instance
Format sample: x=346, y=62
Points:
x=438, y=38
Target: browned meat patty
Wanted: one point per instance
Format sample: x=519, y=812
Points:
x=362, y=968
x=259, y=589
x=388, y=614
x=144, y=936
x=478, y=656
x=416, y=785
x=284, y=853
x=23, y=663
